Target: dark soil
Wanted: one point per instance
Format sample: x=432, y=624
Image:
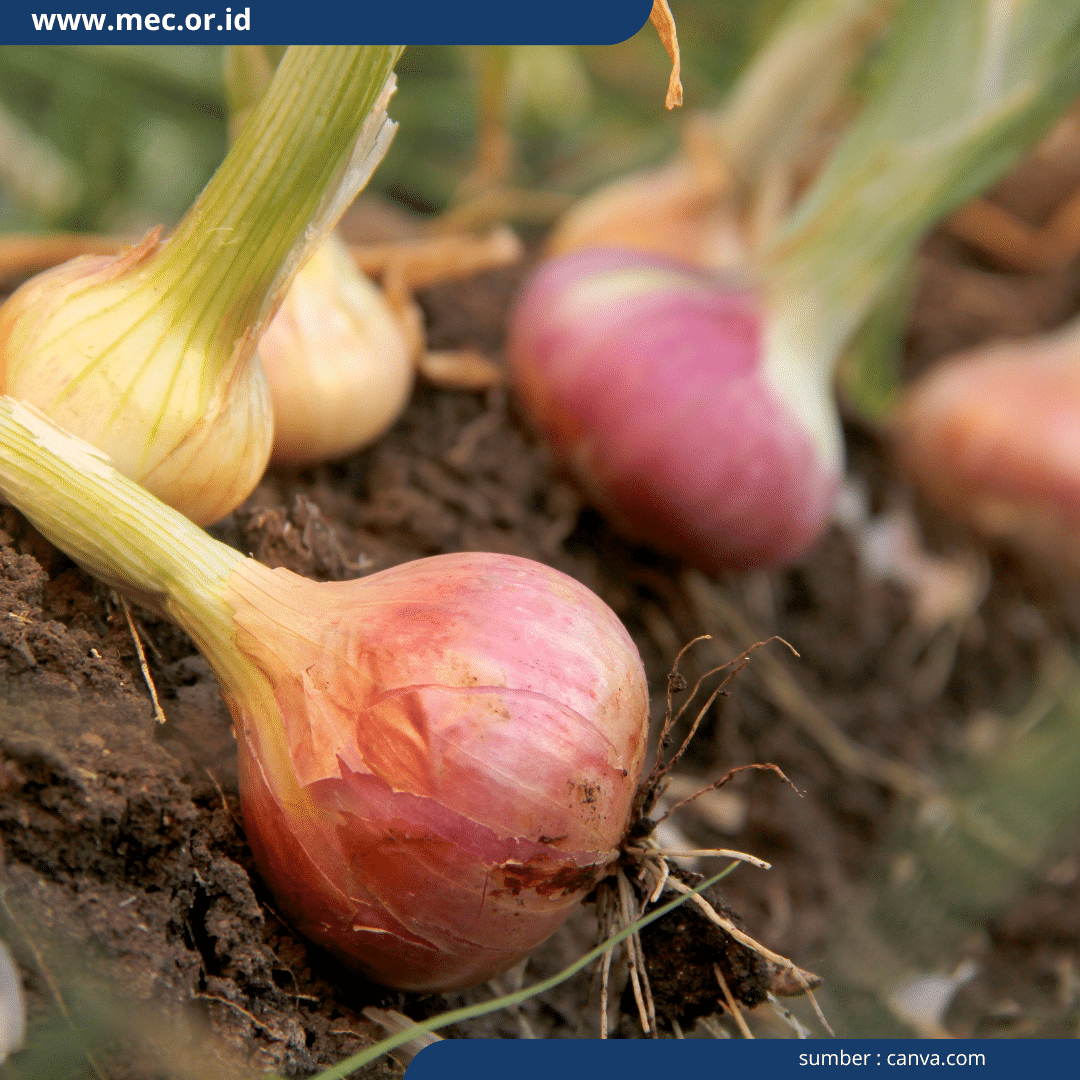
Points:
x=127, y=893
x=680, y=953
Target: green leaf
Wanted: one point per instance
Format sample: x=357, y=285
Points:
x=963, y=89
x=868, y=375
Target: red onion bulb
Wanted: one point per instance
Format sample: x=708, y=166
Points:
x=465, y=733
x=648, y=378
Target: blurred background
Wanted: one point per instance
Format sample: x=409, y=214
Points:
x=117, y=138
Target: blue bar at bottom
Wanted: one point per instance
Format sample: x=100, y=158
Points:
x=580, y=1059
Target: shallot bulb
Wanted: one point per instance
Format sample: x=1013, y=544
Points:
x=465, y=733
x=648, y=379
x=993, y=437
x=437, y=762
x=92, y=343
x=337, y=361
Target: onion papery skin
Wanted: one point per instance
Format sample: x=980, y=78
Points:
x=993, y=437
x=336, y=361
x=647, y=378
x=673, y=211
x=464, y=735
x=92, y=344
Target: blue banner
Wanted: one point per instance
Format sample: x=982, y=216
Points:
x=320, y=22
x=586, y=1059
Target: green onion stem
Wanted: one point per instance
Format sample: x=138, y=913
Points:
x=796, y=80
x=117, y=531
x=962, y=90
x=294, y=167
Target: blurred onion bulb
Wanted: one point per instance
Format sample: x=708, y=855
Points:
x=437, y=762
x=697, y=411
x=337, y=361
x=655, y=383
x=993, y=437
x=150, y=354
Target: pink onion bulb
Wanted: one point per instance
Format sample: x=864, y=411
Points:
x=993, y=437
x=437, y=762
x=648, y=380
x=466, y=732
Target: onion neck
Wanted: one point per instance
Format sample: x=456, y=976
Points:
x=795, y=341
x=293, y=170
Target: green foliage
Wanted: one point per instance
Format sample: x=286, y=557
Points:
x=137, y=130
x=961, y=92
x=868, y=375
x=579, y=115
x=140, y=128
